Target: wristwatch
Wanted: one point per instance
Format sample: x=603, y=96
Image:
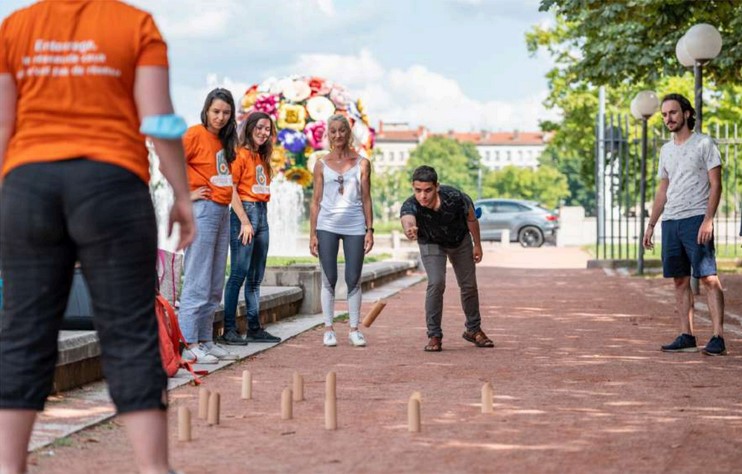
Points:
x=370, y=228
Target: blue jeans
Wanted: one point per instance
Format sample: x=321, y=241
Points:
x=247, y=264
x=52, y=214
x=203, y=271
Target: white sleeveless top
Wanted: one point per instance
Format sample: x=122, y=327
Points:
x=342, y=213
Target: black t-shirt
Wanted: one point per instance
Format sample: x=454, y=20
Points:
x=447, y=226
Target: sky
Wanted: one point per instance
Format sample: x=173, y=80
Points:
x=444, y=64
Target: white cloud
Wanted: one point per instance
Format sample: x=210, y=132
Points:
x=351, y=71
x=415, y=95
x=326, y=7
x=420, y=96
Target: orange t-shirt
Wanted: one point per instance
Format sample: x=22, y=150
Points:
x=250, y=176
x=74, y=64
x=206, y=163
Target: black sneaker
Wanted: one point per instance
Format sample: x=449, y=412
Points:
x=261, y=335
x=232, y=338
x=715, y=347
x=682, y=343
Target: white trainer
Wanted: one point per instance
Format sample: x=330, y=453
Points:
x=197, y=355
x=330, y=340
x=356, y=338
x=218, y=351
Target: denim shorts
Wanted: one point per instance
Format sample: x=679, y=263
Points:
x=51, y=215
x=681, y=251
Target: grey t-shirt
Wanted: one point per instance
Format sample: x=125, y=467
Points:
x=687, y=167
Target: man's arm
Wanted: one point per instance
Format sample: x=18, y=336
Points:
x=706, y=232
x=409, y=225
x=8, y=99
x=473, y=224
x=660, y=199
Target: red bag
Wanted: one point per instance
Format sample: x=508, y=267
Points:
x=170, y=339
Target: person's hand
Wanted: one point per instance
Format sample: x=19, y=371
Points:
x=182, y=213
x=706, y=232
x=368, y=242
x=246, y=233
x=314, y=245
x=477, y=253
x=411, y=232
x=648, y=243
x=204, y=192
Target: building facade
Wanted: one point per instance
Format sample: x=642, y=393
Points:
x=395, y=141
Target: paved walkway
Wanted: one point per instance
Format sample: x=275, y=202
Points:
x=580, y=386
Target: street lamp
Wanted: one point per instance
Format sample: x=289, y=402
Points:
x=700, y=44
x=644, y=105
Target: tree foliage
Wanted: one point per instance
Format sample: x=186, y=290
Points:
x=456, y=163
x=545, y=184
x=627, y=46
x=388, y=191
x=635, y=40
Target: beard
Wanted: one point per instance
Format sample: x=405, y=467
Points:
x=675, y=126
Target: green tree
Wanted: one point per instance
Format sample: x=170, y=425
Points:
x=634, y=41
x=586, y=56
x=389, y=189
x=544, y=184
x=456, y=163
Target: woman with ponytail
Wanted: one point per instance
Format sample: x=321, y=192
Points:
x=210, y=152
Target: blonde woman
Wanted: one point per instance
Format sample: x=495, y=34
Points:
x=341, y=210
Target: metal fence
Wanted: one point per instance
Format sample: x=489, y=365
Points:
x=617, y=186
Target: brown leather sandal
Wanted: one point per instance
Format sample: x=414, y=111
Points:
x=478, y=338
x=434, y=345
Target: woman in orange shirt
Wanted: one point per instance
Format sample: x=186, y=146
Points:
x=209, y=151
x=249, y=237
x=74, y=187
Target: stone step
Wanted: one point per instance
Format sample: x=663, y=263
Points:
x=78, y=362
x=286, y=292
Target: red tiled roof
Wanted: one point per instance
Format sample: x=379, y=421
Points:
x=398, y=136
x=498, y=138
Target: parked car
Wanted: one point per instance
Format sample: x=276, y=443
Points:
x=528, y=222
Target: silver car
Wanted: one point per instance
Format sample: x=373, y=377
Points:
x=528, y=223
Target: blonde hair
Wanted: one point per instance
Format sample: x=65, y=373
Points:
x=344, y=120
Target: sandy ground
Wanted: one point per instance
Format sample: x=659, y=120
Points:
x=580, y=386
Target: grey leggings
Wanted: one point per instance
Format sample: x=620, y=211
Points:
x=328, y=243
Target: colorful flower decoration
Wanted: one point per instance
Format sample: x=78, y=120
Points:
x=301, y=106
x=267, y=103
x=315, y=132
x=301, y=176
x=293, y=141
x=292, y=116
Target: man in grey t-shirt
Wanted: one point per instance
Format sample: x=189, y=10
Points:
x=688, y=194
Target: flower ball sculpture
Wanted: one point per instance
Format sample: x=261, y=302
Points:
x=300, y=107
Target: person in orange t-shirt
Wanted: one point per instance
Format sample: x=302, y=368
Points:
x=249, y=235
x=210, y=152
x=76, y=78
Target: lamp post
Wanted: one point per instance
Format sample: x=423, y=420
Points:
x=700, y=44
x=644, y=105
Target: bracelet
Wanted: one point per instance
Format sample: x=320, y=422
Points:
x=166, y=127
x=650, y=224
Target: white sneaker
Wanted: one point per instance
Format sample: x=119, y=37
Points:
x=197, y=355
x=356, y=338
x=218, y=351
x=330, y=340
